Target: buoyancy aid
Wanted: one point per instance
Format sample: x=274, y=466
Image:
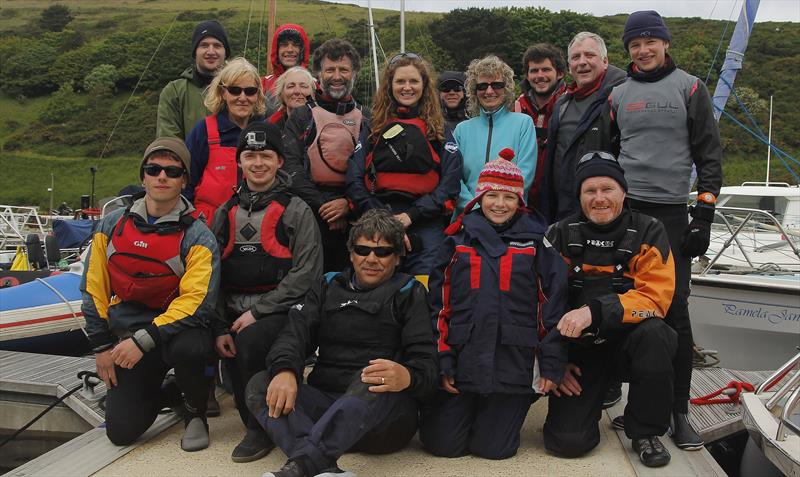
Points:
x=144, y=261
x=220, y=175
x=256, y=256
x=583, y=288
x=334, y=143
x=403, y=160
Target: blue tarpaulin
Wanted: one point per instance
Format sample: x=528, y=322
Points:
x=73, y=233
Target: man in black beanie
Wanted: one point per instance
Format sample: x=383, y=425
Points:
x=180, y=105
x=666, y=127
x=453, y=97
x=621, y=281
x=271, y=254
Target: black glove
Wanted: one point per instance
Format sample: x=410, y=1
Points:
x=698, y=235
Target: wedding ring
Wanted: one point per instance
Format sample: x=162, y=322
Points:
x=383, y=380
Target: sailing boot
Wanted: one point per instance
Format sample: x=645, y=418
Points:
x=613, y=394
x=254, y=445
x=683, y=434
x=195, y=435
x=651, y=451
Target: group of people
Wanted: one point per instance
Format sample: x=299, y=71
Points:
x=443, y=259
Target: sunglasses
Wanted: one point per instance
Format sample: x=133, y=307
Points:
x=447, y=89
x=601, y=154
x=380, y=252
x=406, y=54
x=237, y=90
x=494, y=84
x=172, y=172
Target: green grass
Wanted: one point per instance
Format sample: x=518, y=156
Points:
x=18, y=114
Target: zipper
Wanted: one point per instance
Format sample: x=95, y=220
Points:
x=489, y=140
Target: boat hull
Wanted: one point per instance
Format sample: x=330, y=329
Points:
x=753, y=321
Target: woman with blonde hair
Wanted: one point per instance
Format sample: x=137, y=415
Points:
x=235, y=99
x=493, y=126
x=292, y=90
x=406, y=162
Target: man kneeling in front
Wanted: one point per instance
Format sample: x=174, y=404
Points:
x=621, y=282
x=376, y=355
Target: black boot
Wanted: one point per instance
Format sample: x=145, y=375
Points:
x=683, y=434
x=289, y=469
x=254, y=445
x=613, y=394
x=651, y=451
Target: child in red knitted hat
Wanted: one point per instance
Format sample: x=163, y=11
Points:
x=497, y=291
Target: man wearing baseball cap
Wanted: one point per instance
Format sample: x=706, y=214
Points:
x=621, y=281
x=271, y=254
x=180, y=105
x=149, y=288
x=454, y=100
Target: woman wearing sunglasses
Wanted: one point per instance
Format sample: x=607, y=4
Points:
x=406, y=161
x=234, y=99
x=493, y=126
x=292, y=90
x=497, y=292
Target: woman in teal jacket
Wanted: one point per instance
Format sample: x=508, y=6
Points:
x=490, y=96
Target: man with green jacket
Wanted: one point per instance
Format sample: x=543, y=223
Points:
x=180, y=105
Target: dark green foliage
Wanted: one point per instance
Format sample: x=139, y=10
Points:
x=55, y=18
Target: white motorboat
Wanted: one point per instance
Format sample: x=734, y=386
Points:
x=745, y=300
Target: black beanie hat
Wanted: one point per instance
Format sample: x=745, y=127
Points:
x=260, y=136
x=598, y=164
x=210, y=28
x=452, y=77
x=646, y=24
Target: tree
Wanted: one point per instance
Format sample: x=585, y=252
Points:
x=55, y=17
x=101, y=79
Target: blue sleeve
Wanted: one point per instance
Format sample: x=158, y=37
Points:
x=197, y=143
x=440, y=200
x=527, y=153
x=466, y=193
x=355, y=188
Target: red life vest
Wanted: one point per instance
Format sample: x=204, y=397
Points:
x=256, y=256
x=145, y=266
x=405, y=163
x=220, y=175
x=335, y=141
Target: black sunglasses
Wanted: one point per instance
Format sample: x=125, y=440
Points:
x=494, y=84
x=381, y=252
x=405, y=54
x=154, y=170
x=237, y=90
x=601, y=154
x=446, y=89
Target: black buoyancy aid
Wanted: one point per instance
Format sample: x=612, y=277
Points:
x=405, y=162
x=583, y=288
x=359, y=325
x=144, y=261
x=331, y=148
x=256, y=256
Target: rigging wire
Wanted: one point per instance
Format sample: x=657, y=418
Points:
x=128, y=102
x=260, y=33
x=247, y=32
x=721, y=41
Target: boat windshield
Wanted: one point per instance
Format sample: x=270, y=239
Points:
x=775, y=205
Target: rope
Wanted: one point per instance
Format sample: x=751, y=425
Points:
x=731, y=397
x=247, y=32
x=125, y=108
x=260, y=33
x=64, y=299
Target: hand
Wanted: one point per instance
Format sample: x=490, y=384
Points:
x=225, y=346
x=696, y=238
x=570, y=385
x=126, y=354
x=545, y=385
x=105, y=368
x=245, y=320
x=574, y=322
x=334, y=210
x=404, y=219
x=407, y=242
x=281, y=393
x=448, y=384
x=387, y=376
x=340, y=224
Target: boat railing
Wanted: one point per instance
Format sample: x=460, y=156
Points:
x=791, y=385
x=17, y=221
x=756, y=218
x=115, y=203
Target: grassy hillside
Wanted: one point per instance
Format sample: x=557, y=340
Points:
x=57, y=122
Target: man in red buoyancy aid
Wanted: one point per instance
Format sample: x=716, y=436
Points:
x=319, y=139
x=149, y=287
x=270, y=257
x=290, y=47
